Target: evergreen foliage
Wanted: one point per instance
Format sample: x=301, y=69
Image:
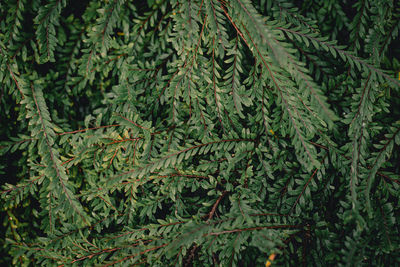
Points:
x=200, y=133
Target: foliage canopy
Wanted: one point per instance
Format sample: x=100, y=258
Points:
x=200, y=132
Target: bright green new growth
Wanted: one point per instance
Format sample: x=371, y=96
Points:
x=199, y=133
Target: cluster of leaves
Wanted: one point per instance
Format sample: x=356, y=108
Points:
x=199, y=132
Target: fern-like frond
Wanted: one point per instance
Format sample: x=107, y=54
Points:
x=47, y=20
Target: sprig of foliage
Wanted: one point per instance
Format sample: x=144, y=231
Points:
x=47, y=20
x=199, y=133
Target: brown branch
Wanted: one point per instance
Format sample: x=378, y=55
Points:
x=304, y=188
x=84, y=130
x=211, y=214
x=133, y=256
x=256, y=228
x=137, y=125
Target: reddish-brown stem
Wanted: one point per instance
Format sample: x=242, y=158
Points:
x=211, y=214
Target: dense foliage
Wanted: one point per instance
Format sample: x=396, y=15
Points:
x=200, y=132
